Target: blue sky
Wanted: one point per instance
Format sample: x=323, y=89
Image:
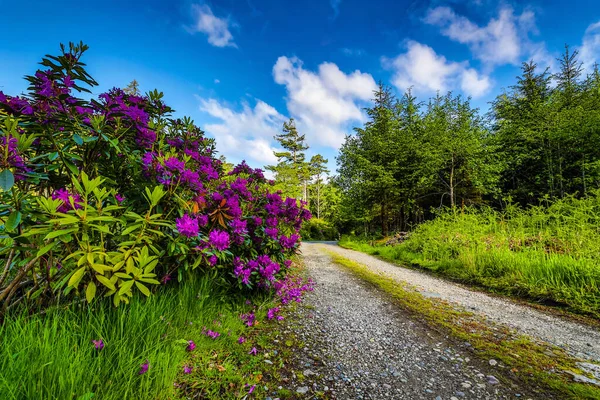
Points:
x=240, y=68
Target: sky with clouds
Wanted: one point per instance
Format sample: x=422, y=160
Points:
x=240, y=68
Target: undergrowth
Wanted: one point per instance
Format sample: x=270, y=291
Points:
x=546, y=253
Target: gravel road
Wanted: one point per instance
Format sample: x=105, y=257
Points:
x=358, y=345
x=577, y=339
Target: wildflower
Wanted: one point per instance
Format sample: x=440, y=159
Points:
x=191, y=345
x=66, y=197
x=187, y=369
x=253, y=351
x=187, y=226
x=241, y=340
x=120, y=198
x=280, y=318
x=144, y=368
x=272, y=312
x=98, y=344
x=212, y=260
x=219, y=239
x=212, y=334
x=251, y=389
x=165, y=279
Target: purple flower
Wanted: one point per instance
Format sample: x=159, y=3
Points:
x=272, y=312
x=219, y=239
x=202, y=220
x=212, y=334
x=187, y=226
x=144, y=368
x=98, y=344
x=174, y=164
x=213, y=260
x=272, y=233
x=241, y=339
x=253, y=351
x=191, y=345
x=165, y=279
x=187, y=369
x=251, y=388
x=66, y=197
x=120, y=198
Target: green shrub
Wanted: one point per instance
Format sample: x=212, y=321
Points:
x=318, y=229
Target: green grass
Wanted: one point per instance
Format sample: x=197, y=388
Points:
x=547, y=254
x=539, y=367
x=51, y=356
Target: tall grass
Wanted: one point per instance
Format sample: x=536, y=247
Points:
x=51, y=356
x=547, y=253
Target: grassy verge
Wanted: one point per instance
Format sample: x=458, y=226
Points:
x=566, y=280
x=53, y=356
x=537, y=364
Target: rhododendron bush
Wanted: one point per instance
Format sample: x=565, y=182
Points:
x=112, y=195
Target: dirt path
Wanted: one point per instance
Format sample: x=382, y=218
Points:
x=579, y=340
x=359, y=345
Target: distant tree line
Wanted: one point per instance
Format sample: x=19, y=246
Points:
x=540, y=141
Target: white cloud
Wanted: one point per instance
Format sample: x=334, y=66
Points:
x=504, y=40
x=217, y=81
x=216, y=28
x=335, y=4
x=245, y=134
x=426, y=72
x=326, y=102
x=589, y=52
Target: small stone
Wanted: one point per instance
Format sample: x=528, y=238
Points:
x=269, y=362
x=302, y=390
x=386, y=386
x=307, y=372
x=466, y=385
x=460, y=394
x=493, y=362
x=492, y=380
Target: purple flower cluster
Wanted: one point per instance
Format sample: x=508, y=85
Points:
x=66, y=197
x=11, y=159
x=219, y=239
x=292, y=288
x=187, y=226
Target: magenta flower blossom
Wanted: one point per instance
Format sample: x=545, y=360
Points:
x=191, y=345
x=66, y=197
x=213, y=260
x=241, y=340
x=98, y=344
x=212, y=334
x=144, y=368
x=187, y=369
x=253, y=351
x=272, y=312
x=187, y=226
x=120, y=198
x=219, y=239
x=251, y=388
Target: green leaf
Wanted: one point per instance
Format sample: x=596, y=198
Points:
x=125, y=287
x=53, y=156
x=14, y=219
x=78, y=139
x=76, y=277
x=45, y=249
x=90, y=292
x=7, y=180
x=143, y=289
x=60, y=232
x=106, y=282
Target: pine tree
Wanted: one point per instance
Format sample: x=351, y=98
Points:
x=318, y=167
x=133, y=88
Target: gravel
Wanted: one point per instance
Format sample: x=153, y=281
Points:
x=358, y=345
x=579, y=340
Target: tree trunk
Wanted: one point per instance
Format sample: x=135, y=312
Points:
x=318, y=199
x=384, y=225
x=451, y=184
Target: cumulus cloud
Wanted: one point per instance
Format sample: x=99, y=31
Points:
x=421, y=68
x=324, y=103
x=217, y=29
x=589, y=52
x=335, y=4
x=244, y=134
x=504, y=40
